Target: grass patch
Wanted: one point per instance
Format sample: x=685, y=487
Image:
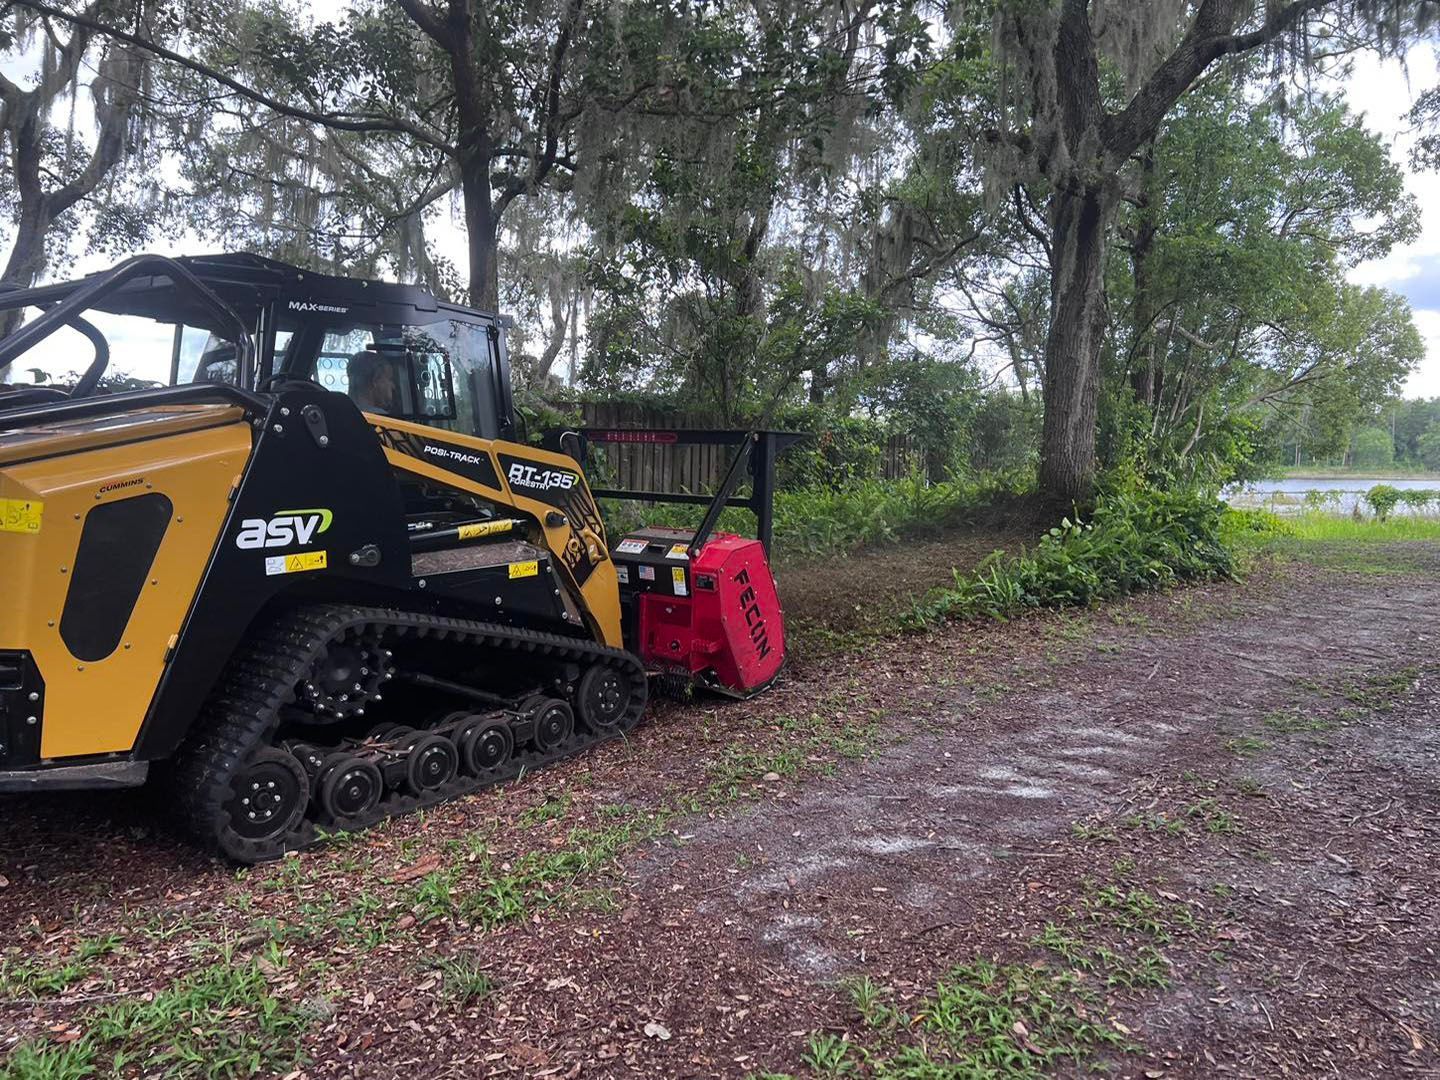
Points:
x=983, y=1019
x=1246, y=745
x=551, y=808
x=491, y=893
x=1294, y=722
x=462, y=979
x=1397, y=545
x=811, y=743
x=218, y=1022
x=1380, y=690
x=33, y=979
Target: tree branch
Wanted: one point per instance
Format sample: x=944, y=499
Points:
x=1209, y=37
x=341, y=122
x=422, y=16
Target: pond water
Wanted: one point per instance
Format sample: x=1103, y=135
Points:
x=1342, y=494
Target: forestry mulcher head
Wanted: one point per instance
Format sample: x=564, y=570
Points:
x=317, y=573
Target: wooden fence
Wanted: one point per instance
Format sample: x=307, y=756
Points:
x=696, y=469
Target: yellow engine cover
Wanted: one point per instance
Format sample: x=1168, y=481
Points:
x=51, y=480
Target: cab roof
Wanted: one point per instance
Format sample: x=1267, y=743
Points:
x=248, y=283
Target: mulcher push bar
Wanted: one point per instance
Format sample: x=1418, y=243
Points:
x=757, y=448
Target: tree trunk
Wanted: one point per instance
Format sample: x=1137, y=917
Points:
x=1079, y=222
x=1144, y=371
x=482, y=231
x=27, y=256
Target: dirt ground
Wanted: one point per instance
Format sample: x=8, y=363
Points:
x=1193, y=834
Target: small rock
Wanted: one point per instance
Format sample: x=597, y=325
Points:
x=657, y=1030
x=770, y=776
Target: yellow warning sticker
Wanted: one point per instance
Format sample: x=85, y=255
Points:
x=20, y=515
x=483, y=528
x=525, y=569
x=296, y=564
x=677, y=575
x=679, y=551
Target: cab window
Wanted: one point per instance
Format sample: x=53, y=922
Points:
x=442, y=374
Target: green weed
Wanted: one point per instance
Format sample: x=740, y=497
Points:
x=218, y=1022
x=983, y=1019
x=463, y=978
x=1246, y=745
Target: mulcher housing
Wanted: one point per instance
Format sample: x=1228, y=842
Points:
x=320, y=613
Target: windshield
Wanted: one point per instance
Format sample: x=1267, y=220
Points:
x=454, y=385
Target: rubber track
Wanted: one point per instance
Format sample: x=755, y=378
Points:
x=243, y=713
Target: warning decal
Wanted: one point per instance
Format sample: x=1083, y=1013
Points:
x=295, y=564
x=677, y=575
x=525, y=569
x=20, y=515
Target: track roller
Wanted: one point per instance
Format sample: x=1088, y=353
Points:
x=553, y=722
x=350, y=787
x=485, y=745
x=431, y=762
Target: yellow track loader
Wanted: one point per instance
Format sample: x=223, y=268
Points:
x=316, y=579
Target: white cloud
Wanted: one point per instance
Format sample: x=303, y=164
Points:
x=1383, y=90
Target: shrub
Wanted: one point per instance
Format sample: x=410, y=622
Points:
x=1382, y=499
x=1416, y=499
x=1136, y=539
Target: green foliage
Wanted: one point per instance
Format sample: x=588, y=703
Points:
x=218, y=1022
x=1277, y=353
x=464, y=978
x=1374, y=449
x=831, y=520
x=983, y=1019
x=1136, y=539
x=1382, y=498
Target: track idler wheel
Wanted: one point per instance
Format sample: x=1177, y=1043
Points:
x=431, y=762
x=552, y=722
x=485, y=745
x=270, y=793
x=350, y=787
x=602, y=698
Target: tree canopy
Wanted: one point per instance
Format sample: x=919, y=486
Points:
x=1126, y=223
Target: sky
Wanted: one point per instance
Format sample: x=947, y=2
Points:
x=1383, y=90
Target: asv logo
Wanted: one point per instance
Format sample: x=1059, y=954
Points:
x=283, y=529
x=528, y=476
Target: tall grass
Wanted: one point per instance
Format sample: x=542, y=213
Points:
x=833, y=520
x=1317, y=526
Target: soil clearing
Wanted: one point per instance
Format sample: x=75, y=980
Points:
x=1187, y=835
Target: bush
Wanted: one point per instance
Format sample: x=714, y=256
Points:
x=1136, y=539
x=1382, y=499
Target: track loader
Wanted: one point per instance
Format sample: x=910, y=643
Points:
x=316, y=580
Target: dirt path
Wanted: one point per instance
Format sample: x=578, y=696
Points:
x=1191, y=835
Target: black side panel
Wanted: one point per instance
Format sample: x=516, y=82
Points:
x=22, y=705
x=117, y=549
x=301, y=512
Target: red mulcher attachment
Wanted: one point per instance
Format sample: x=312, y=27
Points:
x=698, y=606
x=714, y=619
